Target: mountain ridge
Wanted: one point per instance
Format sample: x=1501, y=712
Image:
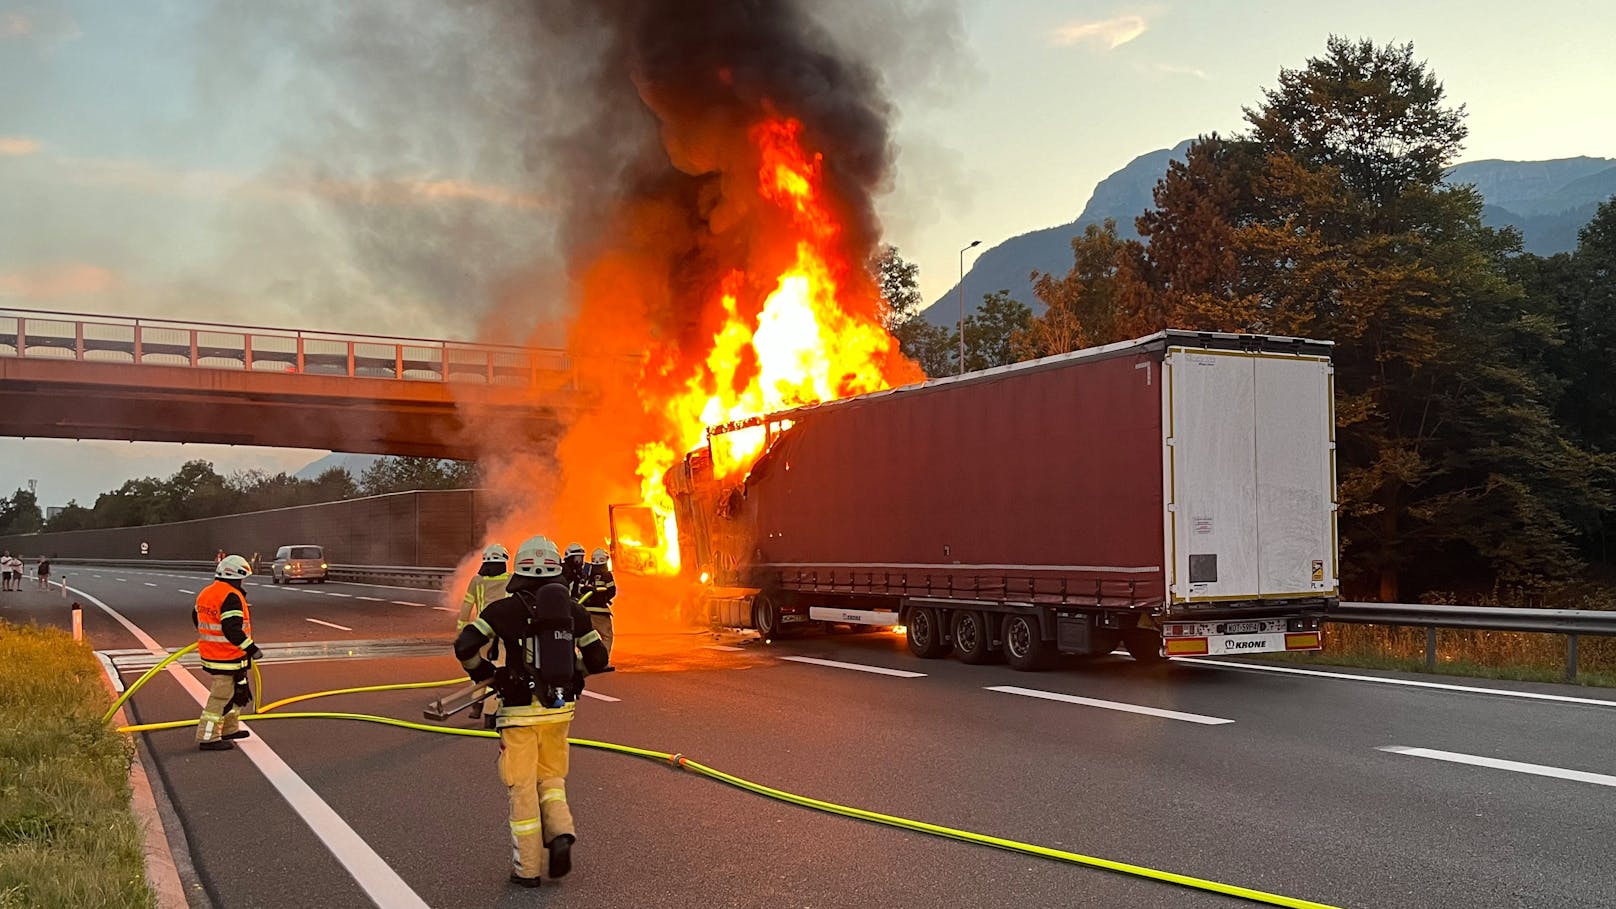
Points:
x=1548, y=201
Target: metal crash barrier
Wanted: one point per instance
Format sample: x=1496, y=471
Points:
x=399, y=575
x=1570, y=622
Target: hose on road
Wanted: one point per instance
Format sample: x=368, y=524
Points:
x=683, y=763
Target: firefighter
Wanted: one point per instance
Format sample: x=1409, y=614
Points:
x=543, y=630
x=600, y=588
x=574, y=570
x=224, y=642
x=486, y=586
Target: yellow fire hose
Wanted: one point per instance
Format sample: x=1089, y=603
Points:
x=258, y=680
x=684, y=763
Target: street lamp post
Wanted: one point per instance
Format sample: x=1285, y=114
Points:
x=974, y=243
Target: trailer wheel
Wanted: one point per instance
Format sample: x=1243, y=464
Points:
x=973, y=639
x=766, y=617
x=924, y=634
x=1024, y=647
x=1144, y=646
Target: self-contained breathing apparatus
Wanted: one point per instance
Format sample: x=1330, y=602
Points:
x=541, y=666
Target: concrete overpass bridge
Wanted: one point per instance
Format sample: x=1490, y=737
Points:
x=80, y=376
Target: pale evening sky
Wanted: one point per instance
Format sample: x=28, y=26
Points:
x=196, y=160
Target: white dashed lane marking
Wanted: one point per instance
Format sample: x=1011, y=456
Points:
x=859, y=667
x=1111, y=705
x=329, y=624
x=406, y=603
x=1454, y=757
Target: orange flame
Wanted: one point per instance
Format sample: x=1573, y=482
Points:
x=803, y=345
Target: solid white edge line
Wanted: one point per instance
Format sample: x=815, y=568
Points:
x=860, y=667
x=379, y=881
x=329, y=624
x=600, y=697
x=1112, y=705
x=1410, y=683
x=1580, y=776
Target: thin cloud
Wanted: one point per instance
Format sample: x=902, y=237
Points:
x=1177, y=69
x=53, y=282
x=142, y=176
x=46, y=27
x=16, y=146
x=1111, y=33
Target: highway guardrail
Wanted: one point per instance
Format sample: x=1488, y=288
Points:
x=400, y=575
x=1570, y=622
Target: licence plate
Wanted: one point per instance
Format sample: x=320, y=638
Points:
x=1242, y=627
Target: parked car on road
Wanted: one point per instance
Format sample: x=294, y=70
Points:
x=298, y=563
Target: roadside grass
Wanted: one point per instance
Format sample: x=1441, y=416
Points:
x=67, y=835
x=1512, y=655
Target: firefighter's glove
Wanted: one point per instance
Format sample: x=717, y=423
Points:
x=254, y=653
x=483, y=672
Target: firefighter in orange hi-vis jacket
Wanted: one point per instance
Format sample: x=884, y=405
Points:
x=225, y=644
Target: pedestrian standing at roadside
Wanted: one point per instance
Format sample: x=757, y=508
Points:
x=5, y=570
x=42, y=572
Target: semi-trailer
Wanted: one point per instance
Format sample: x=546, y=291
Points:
x=1174, y=494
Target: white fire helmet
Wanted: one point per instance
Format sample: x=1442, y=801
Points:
x=496, y=553
x=537, y=557
x=599, y=557
x=232, y=568
x=575, y=549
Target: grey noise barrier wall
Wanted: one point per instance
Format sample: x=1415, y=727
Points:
x=428, y=528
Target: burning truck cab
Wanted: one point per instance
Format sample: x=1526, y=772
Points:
x=1174, y=495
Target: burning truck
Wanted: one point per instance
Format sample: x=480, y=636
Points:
x=1174, y=495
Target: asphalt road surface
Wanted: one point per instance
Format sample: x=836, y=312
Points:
x=1273, y=780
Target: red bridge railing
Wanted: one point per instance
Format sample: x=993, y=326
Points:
x=43, y=334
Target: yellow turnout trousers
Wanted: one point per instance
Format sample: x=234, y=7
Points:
x=602, y=622
x=533, y=767
x=221, y=716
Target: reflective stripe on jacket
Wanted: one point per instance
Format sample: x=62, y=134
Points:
x=213, y=645
x=482, y=590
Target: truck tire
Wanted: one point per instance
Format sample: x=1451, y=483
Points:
x=973, y=637
x=1024, y=646
x=766, y=616
x=1144, y=646
x=924, y=634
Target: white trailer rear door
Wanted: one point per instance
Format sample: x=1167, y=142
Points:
x=1295, y=477
x=1250, y=475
